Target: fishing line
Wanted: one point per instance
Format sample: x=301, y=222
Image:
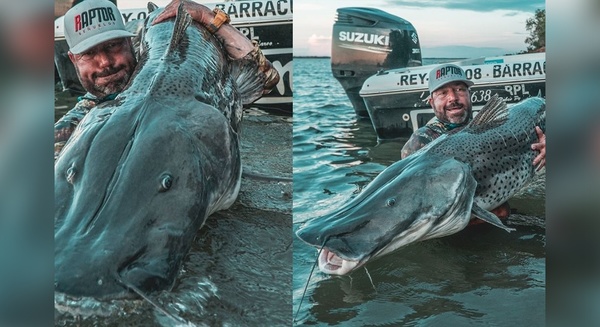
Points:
x=309, y=276
x=371, y=279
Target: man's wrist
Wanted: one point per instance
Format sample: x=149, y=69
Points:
x=220, y=18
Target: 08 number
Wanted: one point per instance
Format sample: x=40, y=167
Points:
x=473, y=73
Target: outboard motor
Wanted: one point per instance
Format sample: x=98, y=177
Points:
x=365, y=41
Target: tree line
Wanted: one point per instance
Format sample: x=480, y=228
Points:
x=536, y=26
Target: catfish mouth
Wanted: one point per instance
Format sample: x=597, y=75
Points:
x=339, y=264
x=332, y=264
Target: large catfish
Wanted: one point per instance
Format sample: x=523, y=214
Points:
x=141, y=174
x=435, y=191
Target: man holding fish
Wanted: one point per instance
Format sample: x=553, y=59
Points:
x=469, y=168
x=450, y=99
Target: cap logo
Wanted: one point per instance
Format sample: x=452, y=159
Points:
x=446, y=73
x=90, y=23
x=448, y=70
x=94, y=16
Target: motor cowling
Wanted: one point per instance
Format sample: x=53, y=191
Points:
x=365, y=41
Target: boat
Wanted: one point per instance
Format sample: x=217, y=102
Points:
x=267, y=21
x=367, y=40
x=395, y=99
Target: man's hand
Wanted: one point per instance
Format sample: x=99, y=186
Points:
x=540, y=160
x=199, y=13
x=236, y=44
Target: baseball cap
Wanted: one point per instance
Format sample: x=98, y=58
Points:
x=92, y=22
x=444, y=74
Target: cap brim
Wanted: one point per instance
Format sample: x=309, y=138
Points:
x=99, y=38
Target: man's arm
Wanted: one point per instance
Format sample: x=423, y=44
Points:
x=417, y=140
x=236, y=44
x=413, y=144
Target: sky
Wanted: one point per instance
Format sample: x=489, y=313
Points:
x=446, y=28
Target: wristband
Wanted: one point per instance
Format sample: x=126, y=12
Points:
x=220, y=18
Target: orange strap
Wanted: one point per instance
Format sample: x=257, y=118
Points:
x=220, y=18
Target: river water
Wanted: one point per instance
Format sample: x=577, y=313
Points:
x=481, y=276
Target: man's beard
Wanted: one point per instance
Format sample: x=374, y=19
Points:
x=112, y=87
x=456, y=119
x=101, y=91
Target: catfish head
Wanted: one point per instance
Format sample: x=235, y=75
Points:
x=130, y=194
x=417, y=198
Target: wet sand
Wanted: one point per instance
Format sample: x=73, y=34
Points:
x=266, y=150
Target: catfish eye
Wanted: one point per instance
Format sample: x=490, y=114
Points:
x=390, y=202
x=166, y=182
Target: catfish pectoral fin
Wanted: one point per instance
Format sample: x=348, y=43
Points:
x=489, y=217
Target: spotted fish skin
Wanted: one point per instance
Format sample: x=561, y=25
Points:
x=497, y=146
